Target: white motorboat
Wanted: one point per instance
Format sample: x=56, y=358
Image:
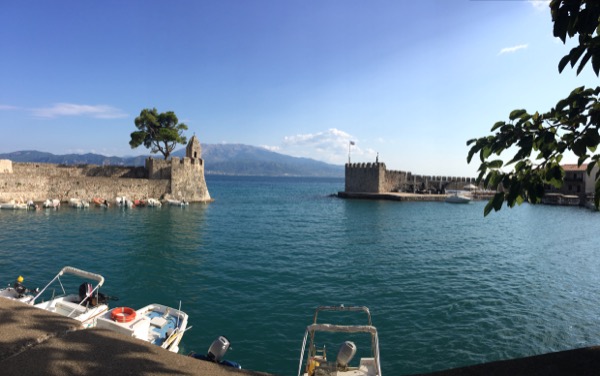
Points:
x=457, y=198
x=85, y=306
x=78, y=203
x=14, y=205
x=18, y=292
x=155, y=323
x=153, y=203
x=124, y=202
x=51, y=204
x=317, y=362
x=173, y=202
x=12, y=293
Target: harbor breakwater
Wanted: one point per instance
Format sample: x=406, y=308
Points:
x=376, y=178
x=176, y=178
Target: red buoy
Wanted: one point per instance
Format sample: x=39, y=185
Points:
x=123, y=314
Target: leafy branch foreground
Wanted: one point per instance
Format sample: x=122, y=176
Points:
x=572, y=125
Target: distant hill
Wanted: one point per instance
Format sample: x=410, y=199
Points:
x=219, y=159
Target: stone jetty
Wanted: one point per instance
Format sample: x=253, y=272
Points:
x=177, y=178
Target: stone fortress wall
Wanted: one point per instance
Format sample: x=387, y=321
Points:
x=176, y=178
x=375, y=178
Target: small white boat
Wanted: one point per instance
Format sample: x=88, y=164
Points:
x=155, y=323
x=85, y=306
x=13, y=205
x=177, y=202
x=51, y=204
x=457, y=198
x=317, y=362
x=18, y=292
x=124, y=202
x=12, y=293
x=154, y=203
x=100, y=203
x=78, y=203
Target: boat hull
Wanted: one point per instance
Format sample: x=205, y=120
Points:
x=155, y=323
x=458, y=199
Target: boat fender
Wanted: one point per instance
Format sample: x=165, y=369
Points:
x=123, y=314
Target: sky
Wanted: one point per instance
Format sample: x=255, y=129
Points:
x=407, y=81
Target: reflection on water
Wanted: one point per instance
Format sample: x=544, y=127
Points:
x=446, y=286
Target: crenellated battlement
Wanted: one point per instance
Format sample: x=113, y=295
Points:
x=375, y=178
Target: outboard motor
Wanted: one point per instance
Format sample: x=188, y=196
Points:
x=216, y=352
x=85, y=290
x=345, y=354
x=218, y=348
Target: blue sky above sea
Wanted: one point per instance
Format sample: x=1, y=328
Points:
x=410, y=80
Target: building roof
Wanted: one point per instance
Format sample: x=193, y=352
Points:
x=574, y=167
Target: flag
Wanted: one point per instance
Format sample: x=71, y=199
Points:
x=352, y=143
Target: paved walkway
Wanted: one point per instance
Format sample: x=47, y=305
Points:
x=36, y=342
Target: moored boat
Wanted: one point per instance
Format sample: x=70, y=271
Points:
x=154, y=203
x=14, y=205
x=78, y=203
x=85, y=306
x=457, y=198
x=173, y=202
x=18, y=292
x=317, y=362
x=155, y=323
x=51, y=204
x=100, y=202
x=124, y=202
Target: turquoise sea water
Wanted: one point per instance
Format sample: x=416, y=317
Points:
x=446, y=286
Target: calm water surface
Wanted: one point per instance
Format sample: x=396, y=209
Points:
x=446, y=286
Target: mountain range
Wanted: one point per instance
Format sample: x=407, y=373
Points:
x=219, y=159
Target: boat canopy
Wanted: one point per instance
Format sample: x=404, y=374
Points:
x=333, y=328
x=74, y=271
x=341, y=328
x=82, y=274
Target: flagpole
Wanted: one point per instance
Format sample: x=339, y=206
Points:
x=350, y=143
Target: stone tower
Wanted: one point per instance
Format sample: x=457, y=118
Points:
x=186, y=175
x=193, y=149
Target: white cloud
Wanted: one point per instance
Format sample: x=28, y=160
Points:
x=540, y=4
x=331, y=146
x=71, y=109
x=271, y=148
x=332, y=136
x=6, y=107
x=510, y=50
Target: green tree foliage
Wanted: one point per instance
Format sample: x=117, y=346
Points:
x=158, y=132
x=539, y=140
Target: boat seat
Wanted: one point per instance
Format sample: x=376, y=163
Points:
x=64, y=308
x=107, y=323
